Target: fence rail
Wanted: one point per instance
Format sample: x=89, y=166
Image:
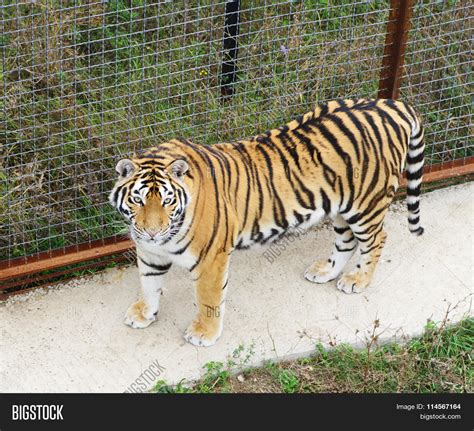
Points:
x=86, y=82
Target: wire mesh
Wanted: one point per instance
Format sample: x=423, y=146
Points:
x=87, y=82
x=438, y=77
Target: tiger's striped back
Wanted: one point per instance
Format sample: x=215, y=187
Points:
x=344, y=157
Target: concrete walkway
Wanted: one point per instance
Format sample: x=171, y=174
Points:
x=72, y=338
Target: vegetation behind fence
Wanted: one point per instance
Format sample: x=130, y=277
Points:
x=84, y=83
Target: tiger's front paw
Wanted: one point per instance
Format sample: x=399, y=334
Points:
x=320, y=272
x=139, y=315
x=200, y=335
x=353, y=282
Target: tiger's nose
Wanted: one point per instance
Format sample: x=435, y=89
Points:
x=151, y=233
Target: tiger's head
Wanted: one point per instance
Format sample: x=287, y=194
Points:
x=152, y=197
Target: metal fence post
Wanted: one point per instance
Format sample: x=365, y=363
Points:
x=394, y=51
x=229, y=56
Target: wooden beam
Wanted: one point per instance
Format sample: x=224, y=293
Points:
x=20, y=267
x=394, y=50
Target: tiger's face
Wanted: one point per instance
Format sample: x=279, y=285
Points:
x=152, y=198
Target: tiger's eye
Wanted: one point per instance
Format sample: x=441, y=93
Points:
x=137, y=199
x=167, y=201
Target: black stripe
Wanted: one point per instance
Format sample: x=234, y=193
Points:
x=416, y=147
x=418, y=231
x=346, y=159
x=418, y=135
x=395, y=126
x=367, y=157
x=324, y=109
x=239, y=148
x=416, y=159
x=410, y=110
x=156, y=267
x=237, y=176
x=342, y=104
x=394, y=151
x=355, y=218
x=341, y=230
x=198, y=260
x=340, y=123
x=372, y=216
x=256, y=183
x=309, y=194
x=299, y=119
x=326, y=201
x=299, y=217
x=205, y=156
x=391, y=104
x=414, y=192
x=223, y=164
x=291, y=149
x=153, y=274
x=291, y=174
x=341, y=191
x=342, y=250
x=370, y=249
x=279, y=214
x=415, y=175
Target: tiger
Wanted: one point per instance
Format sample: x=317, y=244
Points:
x=192, y=205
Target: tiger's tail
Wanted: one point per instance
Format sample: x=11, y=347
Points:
x=415, y=161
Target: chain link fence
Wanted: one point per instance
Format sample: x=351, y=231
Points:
x=84, y=83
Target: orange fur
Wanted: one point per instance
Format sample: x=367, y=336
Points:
x=342, y=160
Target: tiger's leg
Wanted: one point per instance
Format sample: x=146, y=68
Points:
x=211, y=287
x=143, y=312
x=345, y=246
x=371, y=240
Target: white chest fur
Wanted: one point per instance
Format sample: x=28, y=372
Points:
x=165, y=253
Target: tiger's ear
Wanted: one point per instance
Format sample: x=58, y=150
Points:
x=125, y=168
x=177, y=169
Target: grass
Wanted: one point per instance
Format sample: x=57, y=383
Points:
x=438, y=361
x=82, y=87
